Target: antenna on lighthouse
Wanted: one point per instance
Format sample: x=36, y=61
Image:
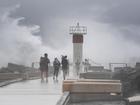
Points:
x=78, y=29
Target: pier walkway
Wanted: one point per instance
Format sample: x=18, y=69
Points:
x=35, y=92
x=31, y=92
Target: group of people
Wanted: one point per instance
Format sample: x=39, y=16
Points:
x=45, y=63
x=78, y=65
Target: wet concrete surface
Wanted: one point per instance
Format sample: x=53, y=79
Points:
x=35, y=92
x=100, y=103
x=32, y=92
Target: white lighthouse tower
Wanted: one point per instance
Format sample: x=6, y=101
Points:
x=77, y=33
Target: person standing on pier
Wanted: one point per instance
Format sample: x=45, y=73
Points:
x=44, y=62
x=86, y=65
x=56, y=66
x=65, y=65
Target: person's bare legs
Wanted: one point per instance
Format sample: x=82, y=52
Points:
x=64, y=74
x=42, y=78
x=46, y=75
x=57, y=73
x=54, y=74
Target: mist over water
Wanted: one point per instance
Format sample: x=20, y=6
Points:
x=25, y=43
x=18, y=44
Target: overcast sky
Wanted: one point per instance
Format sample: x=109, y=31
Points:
x=28, y=28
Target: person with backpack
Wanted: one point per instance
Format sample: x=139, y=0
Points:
x=65, y=65
x=56, y=66
x=44, y=63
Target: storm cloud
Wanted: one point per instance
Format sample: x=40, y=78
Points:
x=113, y=25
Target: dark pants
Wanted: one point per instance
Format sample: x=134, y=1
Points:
x=65, y=71
x=44, y=71
x=55, y=74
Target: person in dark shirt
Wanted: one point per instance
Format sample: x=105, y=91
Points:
x=44, y=62
x=65, y=65
x=56, y=66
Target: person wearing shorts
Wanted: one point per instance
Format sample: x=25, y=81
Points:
x=44, y=62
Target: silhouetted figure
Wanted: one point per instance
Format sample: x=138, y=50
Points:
x=44, y=62
x=65, y=65
x=86, y=65
x=56, y=66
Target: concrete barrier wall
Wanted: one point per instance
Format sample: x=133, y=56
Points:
x=91, y=80
x=134, y=103
x=8, y=78
x=30, y=75
x=35, y=74
x=82, y=97
x=90, y=91
x=81, y=87
x=96, y=75
x=11, y=76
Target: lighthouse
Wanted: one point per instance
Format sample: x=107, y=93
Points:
x=77, y=33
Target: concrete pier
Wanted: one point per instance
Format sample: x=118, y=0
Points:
x=92, y=86
x=31, y=92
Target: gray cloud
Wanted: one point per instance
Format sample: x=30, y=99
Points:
x=118, y=18
x=117, y=13
x=124, y=12
x=124, y=15
x=38, y=11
